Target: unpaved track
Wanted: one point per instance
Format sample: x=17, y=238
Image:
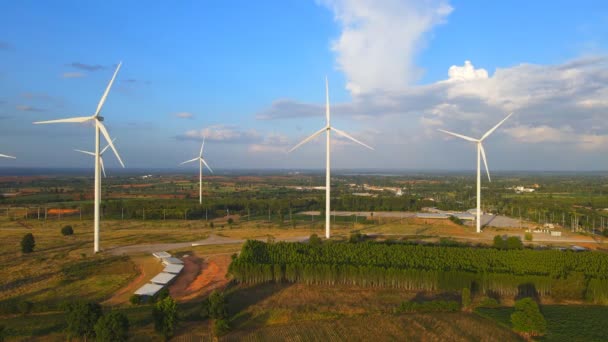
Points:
x=211, y=240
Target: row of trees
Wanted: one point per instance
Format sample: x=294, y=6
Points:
x=562, y=275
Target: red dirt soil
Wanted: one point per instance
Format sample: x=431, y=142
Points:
x=199, y=277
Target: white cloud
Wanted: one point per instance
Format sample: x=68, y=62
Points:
x=466, y=72
x=380, y=38
x=223, y=133
x=273, y=143
x=183, y=115
x=75, y=74
x=26, y=108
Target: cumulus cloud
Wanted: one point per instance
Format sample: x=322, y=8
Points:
x=272, y=143
x=73, y=75
x=380, y=38
x=184, y=115
x=26, y=108
x=466, y=72
x=86, y=67
x=223, y=134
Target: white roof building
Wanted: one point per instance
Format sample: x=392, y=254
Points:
x=161, y=255
x=172, y=260
x=148, y=290
x=173, y=268
x=163, y=278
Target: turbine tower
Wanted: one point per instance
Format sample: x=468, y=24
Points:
x=481, y=153
x=103, y=169
x=99, y=127
x=327, y=129
x=5, y=156
x=201, y=161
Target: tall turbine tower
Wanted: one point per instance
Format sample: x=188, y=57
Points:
x=201, y=161
x=99, y=127
x=327, y=129
x=481, y=153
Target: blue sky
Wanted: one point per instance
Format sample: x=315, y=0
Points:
x=249, y=76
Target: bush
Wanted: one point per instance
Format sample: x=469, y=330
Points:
x=81, y=318
x=25, y=307
x=214, y=306
x=466, y=298
x=357, y=237
x=528, y=237
x=489, y=303
x=164, y=314
x=456, y=220
x=211, y=225
x=499, y=242
x=113, y=327
x=514, y=242
x=527, y=318
x=230, y=220
x=314, y=240
x=135, y=299
x=221, y=327
x=67, y=230
x=28, y=243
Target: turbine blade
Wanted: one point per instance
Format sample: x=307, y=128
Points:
x=485, y=161
x=327, y=100
x=458, y=135
x=105, y=133
x=202, y=146
x=106, y=148
x=495, y=127
x=207, y=165
x=344, y=134
x=85, y=152
x=5, y=156
x=309, y=138
x=189, y=161
x=103, y=169
x=105, y=94
x=78, y=119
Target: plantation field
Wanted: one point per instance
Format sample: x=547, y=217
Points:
x=564, y=322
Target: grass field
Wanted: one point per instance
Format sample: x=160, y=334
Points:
x=564, y=322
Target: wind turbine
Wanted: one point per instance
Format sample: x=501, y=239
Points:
x=481, y=153
x=103, y=169
x=99, y=127
x=5, y=156
x=327, y=129
x=201, y=161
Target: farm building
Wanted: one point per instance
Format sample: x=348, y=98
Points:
x=149, y=290
x=173, y=268
x=161, y=255
x=163, y=278
x=172, y=261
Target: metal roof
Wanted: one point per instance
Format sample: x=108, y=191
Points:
x=149, y=290
x=172, y=260
x=160, y=255
x=173, y=268
x=163, y=278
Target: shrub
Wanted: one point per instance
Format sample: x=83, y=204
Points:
x=456, y=220
x=528, y=237
x=67, y=230
x=164, y=314
x=214, y=306
x=211, y=225
x=466, y=298
x=221, y=327
x=514, y=242
x=230, y=220
x=81, y=318
x=527, y=318
x=357, y=237
x=113, y=327
x=28, y=243
x=314, y=240
x=135, y=299
x=499, y=242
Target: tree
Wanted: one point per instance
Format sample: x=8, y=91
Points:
x=135, y=299
x=514, y=242
x=499, y=242
x=81, y=318
x=113, y=327
x=527, y=318
x=314, y=240
x=164, y=314
x=217, y=305
x=28, y=243
x=221, y=327
x=67, y=230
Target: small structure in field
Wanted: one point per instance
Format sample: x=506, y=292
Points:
x=161, y=255
x=172, y=261
x=173, y=268
x=163, y=278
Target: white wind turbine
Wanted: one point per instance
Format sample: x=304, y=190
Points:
x=103, y=169
x=481, y=153
x=201, y=161
x=5, y=156
x=99, y=127
x=327, y=129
